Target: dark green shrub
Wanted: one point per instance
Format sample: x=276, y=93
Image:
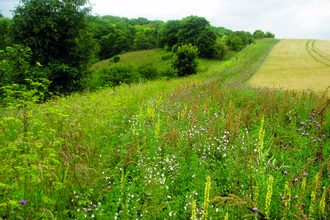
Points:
x=118, y=74
x=168, y=73
x=167, y=56
x=59, y=36
x=116, y=59
x=148, y=71
x=185, y=60
x=18, y=78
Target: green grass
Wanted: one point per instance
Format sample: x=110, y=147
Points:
x=146, y=152
x=138, y=58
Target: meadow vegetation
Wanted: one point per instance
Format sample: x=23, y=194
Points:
x=207, y=146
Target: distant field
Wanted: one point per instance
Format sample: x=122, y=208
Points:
x=296, y=65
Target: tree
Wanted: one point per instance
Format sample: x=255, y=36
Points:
x=4, y=36
x=185, y=60
x=167, y=34
x=191, y=28
x=258, y=34
x=206, y=43
x=57, y=33
x=269, y=35
x=234, y=42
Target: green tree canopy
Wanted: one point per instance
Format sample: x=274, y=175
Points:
x=4, y=35
x=191, y=28
x=57, y=33
x=167, y=34
x=258, y=34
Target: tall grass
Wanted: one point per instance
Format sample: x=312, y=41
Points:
x=170, y=150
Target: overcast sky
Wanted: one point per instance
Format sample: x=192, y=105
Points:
x=301, y=19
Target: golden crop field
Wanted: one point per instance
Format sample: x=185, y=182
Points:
x=296, y=65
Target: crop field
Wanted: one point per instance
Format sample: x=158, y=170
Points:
x=296, y=65
x=207, y=146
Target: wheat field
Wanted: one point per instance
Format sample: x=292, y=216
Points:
x=296, y=64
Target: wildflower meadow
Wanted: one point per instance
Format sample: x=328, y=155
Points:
x=207, y=146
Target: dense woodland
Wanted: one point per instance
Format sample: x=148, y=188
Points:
x=49, y=46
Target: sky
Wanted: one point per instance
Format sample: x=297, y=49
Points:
x=295, y=19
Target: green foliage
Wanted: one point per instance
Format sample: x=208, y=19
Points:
x=206, y=44
x=191, y=28
x=18, y=76
x=185, y=60
x=146, y=151
x=168, y=34
x=4, y=35
x=116, y=59
x=57, y=33
x=258, y=34
x=148, y=71
x=167, y=56
x=118, y=74
x=114, y=43
x=238, y=39
x=269, y=35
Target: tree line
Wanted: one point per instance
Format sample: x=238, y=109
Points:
x=58, y=41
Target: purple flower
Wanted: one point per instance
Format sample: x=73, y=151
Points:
x=276, y=168
x=255, y=209
x=305, y=174
x=314, y=140
x=303, y=134
x=286, y=172
x=307, y=134
x=84, y=209
x=125, y=109
x=3, y=190
x=296, y=179
x=268, y=175
x=89, y=210
x=94, y=206
x=23, y=202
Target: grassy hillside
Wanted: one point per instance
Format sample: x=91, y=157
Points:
x=206, y=146
x=297, y=65
x=138, y=58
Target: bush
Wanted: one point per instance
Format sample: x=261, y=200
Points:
x=185, y=60
x=59, y=37
x=148, y=71
x=168, y=73
x=118, y=74
x=116, y=59
x=167, y=56
x=18, y=78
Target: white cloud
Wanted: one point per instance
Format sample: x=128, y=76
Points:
x=284, y=18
